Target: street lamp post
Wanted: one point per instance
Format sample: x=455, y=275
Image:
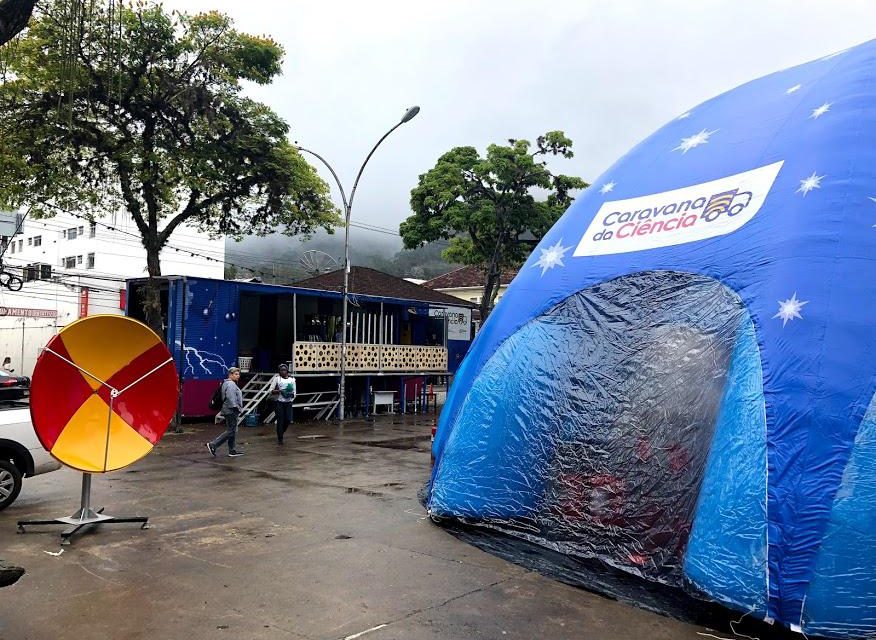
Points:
x=348, y=207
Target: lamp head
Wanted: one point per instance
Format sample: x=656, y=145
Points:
x=410, y=113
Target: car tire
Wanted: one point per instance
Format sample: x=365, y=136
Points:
x=10, y=483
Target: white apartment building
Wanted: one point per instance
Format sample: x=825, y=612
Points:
x=74, y=268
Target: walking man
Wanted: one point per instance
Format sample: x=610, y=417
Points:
x=283, y=390
x=232, y=404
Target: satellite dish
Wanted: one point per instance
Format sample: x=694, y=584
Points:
x=316, y=262
x=103, y=392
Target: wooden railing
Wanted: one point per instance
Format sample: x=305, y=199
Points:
x=315, y=357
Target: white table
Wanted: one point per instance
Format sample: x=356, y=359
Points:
x=385, y=399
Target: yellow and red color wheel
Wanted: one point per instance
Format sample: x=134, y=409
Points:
x=103, y=393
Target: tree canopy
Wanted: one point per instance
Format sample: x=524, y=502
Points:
x=487, y=206
x=148, y=116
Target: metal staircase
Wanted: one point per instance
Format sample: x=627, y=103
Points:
x=258, y=388
x=254, y=392
x=323, y=402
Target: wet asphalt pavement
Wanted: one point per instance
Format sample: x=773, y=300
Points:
x=322, y=538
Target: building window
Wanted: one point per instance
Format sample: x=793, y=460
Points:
x=13, y=246
x=92, y=230
x=37, y=271
x=37, y=241
x=21, y=245
x=89, y=263
x=30, y=242
x=78, y=259
x=70, y=234
x=81, y=231
x=70, y=262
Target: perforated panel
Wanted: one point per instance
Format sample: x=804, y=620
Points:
x=317, y=356
x=398, y=357
x=325, y=356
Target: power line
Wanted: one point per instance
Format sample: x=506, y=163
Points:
x=191, y=252
x=195, y=252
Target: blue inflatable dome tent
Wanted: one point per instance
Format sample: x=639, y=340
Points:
x=680, y=381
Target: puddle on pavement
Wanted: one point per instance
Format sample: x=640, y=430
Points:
x=404, y=444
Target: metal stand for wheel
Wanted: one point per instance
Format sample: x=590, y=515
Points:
x=84, y=519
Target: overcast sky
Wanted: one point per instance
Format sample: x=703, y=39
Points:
x=607, y=73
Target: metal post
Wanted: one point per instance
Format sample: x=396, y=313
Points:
x=348, y=207
x=21, y=364
x=182, y=356
x=86, y=495
x=295, y=328
x=342, y=390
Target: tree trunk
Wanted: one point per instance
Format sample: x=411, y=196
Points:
x=491, y=288
x=14, y=16
x=152, y=295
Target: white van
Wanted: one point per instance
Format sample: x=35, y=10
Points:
x=21, y=454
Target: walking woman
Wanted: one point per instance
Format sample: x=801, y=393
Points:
x=283, y=390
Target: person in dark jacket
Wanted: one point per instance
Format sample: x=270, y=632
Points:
x=232, y=405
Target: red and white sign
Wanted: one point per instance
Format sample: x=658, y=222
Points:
x=24, y=312
x=83, y=302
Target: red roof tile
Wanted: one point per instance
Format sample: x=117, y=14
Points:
x=366, y=281
x=468, y=276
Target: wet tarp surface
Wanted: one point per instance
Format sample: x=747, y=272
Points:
x=679, y=383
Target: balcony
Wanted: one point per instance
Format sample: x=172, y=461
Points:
x=325, y=357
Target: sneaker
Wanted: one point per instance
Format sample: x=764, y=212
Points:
x=211, y=449
x=234, y=454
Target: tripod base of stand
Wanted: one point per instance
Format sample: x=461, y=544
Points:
x=84, y=519
x=83, y=525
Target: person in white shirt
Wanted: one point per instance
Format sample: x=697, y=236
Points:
x=7, y=364
x=283, y=391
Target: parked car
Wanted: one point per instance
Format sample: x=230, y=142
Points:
x=21, y=454
x=13, y=387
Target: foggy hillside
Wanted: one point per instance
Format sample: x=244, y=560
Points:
x=281, y=259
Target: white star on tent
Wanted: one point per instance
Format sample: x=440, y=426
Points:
x=608, y=186
x=820, y=111
x=790, y=309
x=810, y=183
x=794, y=89
x=684, y=115
x=551, y=257
x=694, y=141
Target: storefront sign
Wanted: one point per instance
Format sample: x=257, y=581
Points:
x=23, y=312
x=458, y=321
x=83, y=302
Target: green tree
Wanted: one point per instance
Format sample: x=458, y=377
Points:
x=153, y=121
x=486, y=205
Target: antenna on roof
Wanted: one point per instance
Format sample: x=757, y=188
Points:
x=316, y=262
